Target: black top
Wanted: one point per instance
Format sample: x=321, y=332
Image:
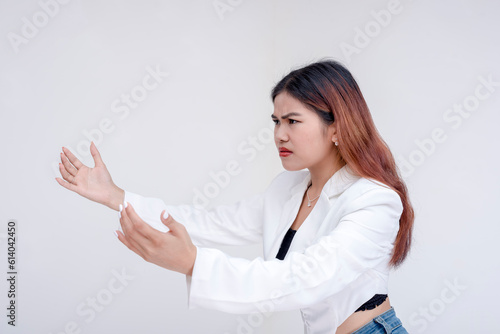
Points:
x=285, y=245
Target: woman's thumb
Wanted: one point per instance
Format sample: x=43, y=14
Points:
x=167, y=219
x=96, y=155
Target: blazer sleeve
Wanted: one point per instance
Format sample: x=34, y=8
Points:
x=363, y=239
x=239, y=223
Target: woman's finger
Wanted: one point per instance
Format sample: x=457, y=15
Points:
x=67, y=176
x=140, y=225
x=74, y=160
x=125, y=241
x=136, y=239
x=132, y=244
x=68, y=166
x=96, y=155
x=65, y=184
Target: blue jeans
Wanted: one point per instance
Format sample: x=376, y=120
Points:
x=386, y=322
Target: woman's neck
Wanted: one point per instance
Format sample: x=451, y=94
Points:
x=319, y=177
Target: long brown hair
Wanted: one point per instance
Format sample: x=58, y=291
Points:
x=330, y=90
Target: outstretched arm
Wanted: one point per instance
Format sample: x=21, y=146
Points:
x=363, y=239
x=239, y=223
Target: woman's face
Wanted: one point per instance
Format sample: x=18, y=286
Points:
x=300, y=130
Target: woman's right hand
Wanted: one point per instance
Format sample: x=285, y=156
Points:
x=92, y=183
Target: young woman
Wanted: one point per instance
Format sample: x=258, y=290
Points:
x=333, y=224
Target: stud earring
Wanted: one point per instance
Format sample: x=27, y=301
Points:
x=336, y=143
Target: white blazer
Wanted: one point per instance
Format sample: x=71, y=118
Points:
x=338, y=258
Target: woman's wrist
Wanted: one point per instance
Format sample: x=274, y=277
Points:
x=193, y=260
x=116, y=197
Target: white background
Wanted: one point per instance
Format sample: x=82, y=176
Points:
x=63, y=79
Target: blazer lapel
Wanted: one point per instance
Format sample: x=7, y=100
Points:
x=308, y=231
x=289, y=212
x=313, y=224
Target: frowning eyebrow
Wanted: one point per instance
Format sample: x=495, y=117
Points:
x=286, y=116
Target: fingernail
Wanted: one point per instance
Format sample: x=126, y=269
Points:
x=119, y=214
x=120, y=208
x=126, y=204
x=165, y=215
x=115, y=233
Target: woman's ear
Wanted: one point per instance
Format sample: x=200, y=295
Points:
x=332, y=131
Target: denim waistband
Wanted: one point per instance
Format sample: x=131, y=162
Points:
x=387, y=320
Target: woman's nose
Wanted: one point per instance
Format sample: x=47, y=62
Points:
x=280, y=134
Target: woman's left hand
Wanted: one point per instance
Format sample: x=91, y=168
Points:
x=172, y=250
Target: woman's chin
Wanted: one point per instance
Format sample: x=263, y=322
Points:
x=290, y=167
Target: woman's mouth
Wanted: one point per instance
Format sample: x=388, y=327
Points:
x=284, y=152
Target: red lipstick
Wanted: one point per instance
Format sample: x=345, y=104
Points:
x=284, y=152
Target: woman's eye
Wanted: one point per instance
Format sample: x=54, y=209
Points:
x=291, y=120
